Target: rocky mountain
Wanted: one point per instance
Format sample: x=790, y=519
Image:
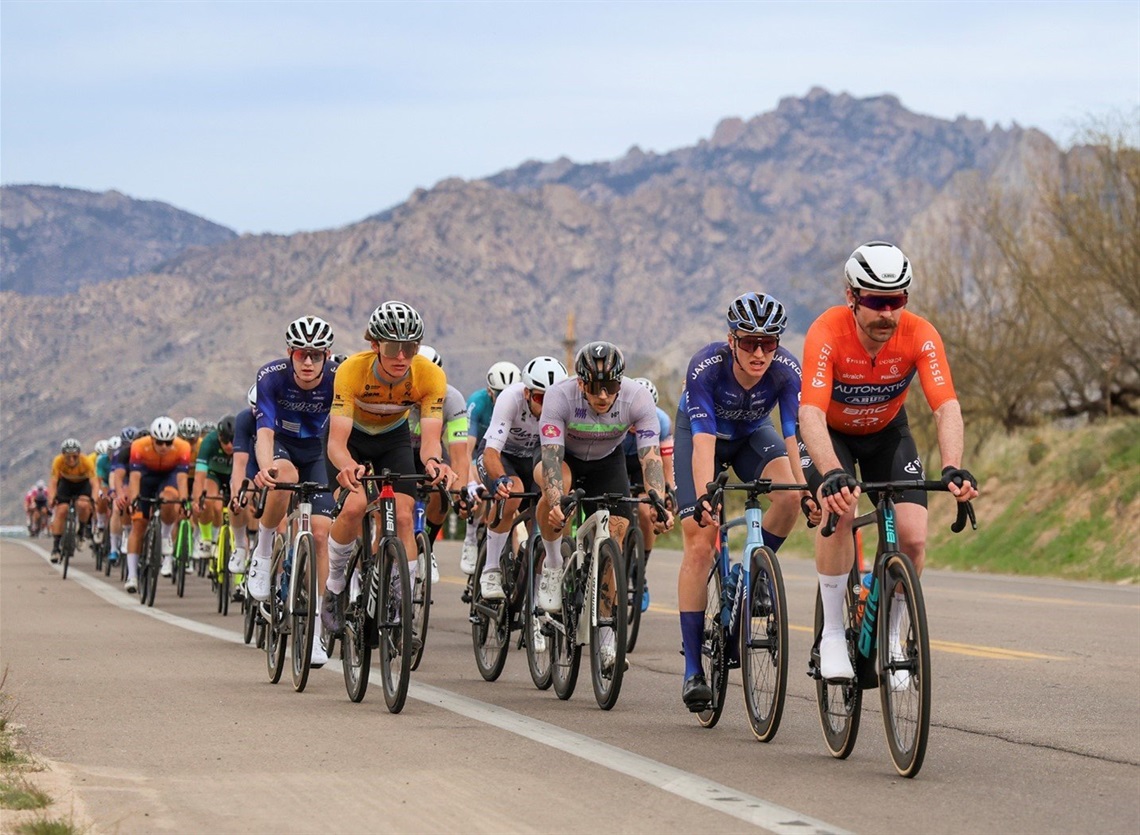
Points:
x=55, y=240
x=646, y=251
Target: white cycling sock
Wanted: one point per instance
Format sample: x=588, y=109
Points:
x=832, y=588
x=495, y=543
x=166, y=530
x=553, y=553
x=264, y=550
x=413, y=569
x=133, y=567
x=471, y=537
x=241, y=540
x=339, y=555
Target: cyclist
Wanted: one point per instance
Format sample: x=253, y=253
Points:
x=724, y=419
x=294, y=395
x=36, y=506
x=480, y=407
x=455, y=452
x=120, y=504
x=862, y=358
x=509, y=456
x=243, y=466
x=72, y=478
x=369, y=425
x=102, y=499
x=159, y=466
x=645, y=513
x=583, y=423
x=212, y=471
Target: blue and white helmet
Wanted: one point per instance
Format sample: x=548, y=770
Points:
x=757, y=313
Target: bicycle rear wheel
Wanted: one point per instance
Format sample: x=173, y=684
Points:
x=276, y=641
x=904, y=689
x=714, y=649
x=635, y=582
x=839, y=704
x=490, y=626
x=764, y=645
x=609, y=628
x=538, y=654
x=394, y=613
x=421, y=598
x=302, y=608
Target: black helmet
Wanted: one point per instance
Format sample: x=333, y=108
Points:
x=226, y=429
x=599, y=362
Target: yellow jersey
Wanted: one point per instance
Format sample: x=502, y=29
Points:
x=82, y=470
x=377, y=405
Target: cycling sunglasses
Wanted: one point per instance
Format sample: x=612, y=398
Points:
x=610, y=387
x=881, y=303
x=313, y=356
x=163, y=443
x=391, y=350
x=536, y=396
x=749, y=344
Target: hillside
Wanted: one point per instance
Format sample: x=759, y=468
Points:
x=646, y=251
x=55, y=240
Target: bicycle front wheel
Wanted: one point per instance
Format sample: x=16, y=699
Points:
x=764, y=645
x=904, y=689
x=635, y=582
x=302, y=609
x=538, y=655
x=608, y=634
x=840, y=704
x=70, y=536
x=394, y=613
x=153, y=562
x=220, y=570
x=490, y=626
x=276, y=641
x=714, y=649
x=421, y=598
x=566, y=653
x=182, y=542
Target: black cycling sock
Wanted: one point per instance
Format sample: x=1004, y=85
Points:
x=55, y=543
x=648, y=551
x=432, y=530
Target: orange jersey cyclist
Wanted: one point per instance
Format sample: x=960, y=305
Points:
x=159, y=466
x=859, y=360
x=369, y=425
x=73, y=479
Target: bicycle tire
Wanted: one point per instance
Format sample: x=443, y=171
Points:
x=905, y=702
x=97, y=551
x=154, y=559
x=764, y=645
x=566, y=657
x=359, y=627
x=276, y=642
x=839, y=705
x=490, y=637
x=303, y=608
x=421, y=598
x=635, y=577
x=395, y=630
x=183, y=541
x=221, y=568
x=613, y=586
x=538, y=663
x=714, y=649
x=249, y=618
x=70, y=535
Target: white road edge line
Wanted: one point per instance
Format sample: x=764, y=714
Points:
x=740, y=805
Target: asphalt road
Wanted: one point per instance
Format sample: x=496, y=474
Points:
x=163, y=721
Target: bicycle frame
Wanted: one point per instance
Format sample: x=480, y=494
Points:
x=596, y=528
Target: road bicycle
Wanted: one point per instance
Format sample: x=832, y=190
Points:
x=422, y=587
x=492, y=621
x=183, y=548
x=746, y=613
x=887, y=639
x=378, y=611
x=594, y=610
x=150, y=558
x=290, y=613
x=222, y=580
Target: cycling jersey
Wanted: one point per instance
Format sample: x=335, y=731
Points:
x=82, y=470
x=212, y=458
x=103, y=468
x=568, y=419
x=480, y=408
x=629, y=443
x=288, y=409
x=454, y=419
x=245, y=438
x=861, y=394
x=147, y=458
x=377, y=405
x=715, y=403
x=514, y=430
x=36, y=497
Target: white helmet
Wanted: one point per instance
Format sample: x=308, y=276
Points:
x=114, y=444
x=502, y=374
x=101, y=447
x=251, y=396
x=70, y=446
x=432, y=354
x=189, y=428
x=309, y=332
x=645, y=381
x=395, y=322
x=543, y=372
x=163, y=429
x=879, y=267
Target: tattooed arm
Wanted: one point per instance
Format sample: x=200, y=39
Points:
x=653, y=473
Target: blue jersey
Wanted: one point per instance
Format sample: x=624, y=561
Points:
x=245, y=432
x=289, y=410
x=714, y=403
x=629, y=445
x=103, y=468
x=480, y=407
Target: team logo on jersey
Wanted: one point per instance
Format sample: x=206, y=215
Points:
x=549, y=430
x=914, y=467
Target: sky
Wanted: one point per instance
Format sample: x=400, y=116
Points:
x=287, y=116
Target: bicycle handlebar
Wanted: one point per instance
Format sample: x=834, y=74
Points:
x=887, y=488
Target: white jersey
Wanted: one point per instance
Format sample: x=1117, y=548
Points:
x=568, y=419
x=513, y=429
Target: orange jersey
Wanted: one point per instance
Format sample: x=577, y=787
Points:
x=859, y=393
x=82, y=470
x=376, y=405
x=148, y=458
